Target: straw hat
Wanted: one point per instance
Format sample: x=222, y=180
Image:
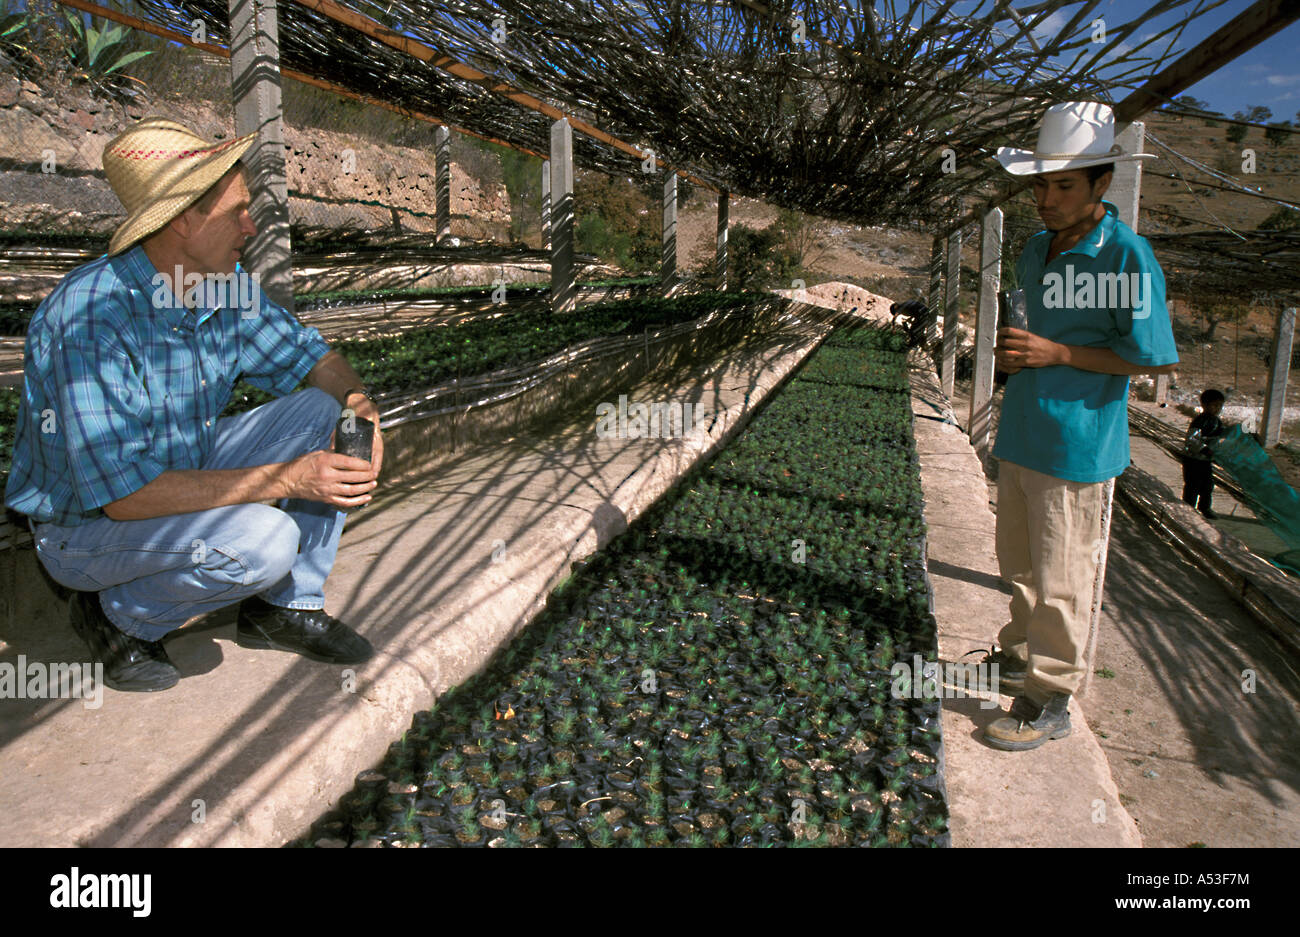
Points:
x=1074, y=135
x=159, y=168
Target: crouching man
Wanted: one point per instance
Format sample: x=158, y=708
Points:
x=140, y=497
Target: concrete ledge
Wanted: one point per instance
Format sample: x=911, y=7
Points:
x=1061, y=794
x=439, y=572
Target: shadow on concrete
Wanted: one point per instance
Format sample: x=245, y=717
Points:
x=1195, y=641
x=393, y=600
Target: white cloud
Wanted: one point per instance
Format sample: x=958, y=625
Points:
x=1280, y=81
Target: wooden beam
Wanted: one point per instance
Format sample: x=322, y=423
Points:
x=416, y=49
x=1240, y=34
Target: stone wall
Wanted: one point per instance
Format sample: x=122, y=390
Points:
x=65, y=129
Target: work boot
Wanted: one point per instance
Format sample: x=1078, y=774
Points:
x=1011, y=672
x=1029, y=725
x=311, y=633
x=130, y=664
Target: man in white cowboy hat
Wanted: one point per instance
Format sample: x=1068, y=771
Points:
x=140, y=496
x=1096, y=315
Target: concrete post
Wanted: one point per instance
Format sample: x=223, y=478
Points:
x=255, y=86
x=724, y=215
x=1278, y=373
x=1126, y=185
x=442, y=181
x=986, y=325
x=951, y=298
x=935, y=303
x=564, y=296
x=546, y=204
x=668, y=268
x=1162, y=389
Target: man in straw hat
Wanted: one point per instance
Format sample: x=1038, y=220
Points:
x=140, y=497
x=1096, y=315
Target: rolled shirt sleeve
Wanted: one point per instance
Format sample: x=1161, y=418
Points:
x=276, y=350
x=1143, y=332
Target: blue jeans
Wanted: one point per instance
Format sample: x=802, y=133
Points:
x=153, y=575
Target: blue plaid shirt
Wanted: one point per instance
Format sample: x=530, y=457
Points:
x=122, y=383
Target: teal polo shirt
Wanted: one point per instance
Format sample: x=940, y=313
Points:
x=1108, y=291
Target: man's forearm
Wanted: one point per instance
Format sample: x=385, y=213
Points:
x=1105, y=361
x=335, y=376
x=184, y=490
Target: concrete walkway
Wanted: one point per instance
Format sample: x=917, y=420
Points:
x=438, y=572
x=1061, y=794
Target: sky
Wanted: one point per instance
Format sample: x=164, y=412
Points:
x=1268, y=75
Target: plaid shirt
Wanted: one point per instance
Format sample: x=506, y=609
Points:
x=122, y=383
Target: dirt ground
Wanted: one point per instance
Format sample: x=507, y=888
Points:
x=1197, y=760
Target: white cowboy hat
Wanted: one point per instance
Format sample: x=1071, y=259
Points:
x=1074, y=135
x=159, y=168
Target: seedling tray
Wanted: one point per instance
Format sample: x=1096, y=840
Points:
x=720, y=674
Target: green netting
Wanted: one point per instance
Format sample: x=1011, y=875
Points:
x=1271, y=498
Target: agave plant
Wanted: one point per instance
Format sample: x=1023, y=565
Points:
x=98, y=56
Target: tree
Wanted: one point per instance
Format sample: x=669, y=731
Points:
x=799, y=237
x=1236, y=133
x=757, y=259
x=1283, y=219
x=1276, y=134
x=1215, y=308
x=1189, y=103
x=617, y=221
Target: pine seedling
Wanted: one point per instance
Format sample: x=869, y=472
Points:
x=469, y=824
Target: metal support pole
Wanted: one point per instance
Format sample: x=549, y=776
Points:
x=986, y=326
x=255, y=86
x=724, y=214
x=442, y=181
x=951, y=299
x=668, y=268
x=1278, y=374
x=563, y=293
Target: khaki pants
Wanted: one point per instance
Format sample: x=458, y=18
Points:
x=1048, y=540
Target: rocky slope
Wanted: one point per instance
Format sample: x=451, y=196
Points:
x=51, y=172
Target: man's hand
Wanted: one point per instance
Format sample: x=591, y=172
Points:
x=329, y=477
x=1018, y=349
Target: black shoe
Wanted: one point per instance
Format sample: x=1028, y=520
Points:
x=1011, y=672
x=1210, y=514
x=1029, y=725
x=313, y=634
x=130, y=664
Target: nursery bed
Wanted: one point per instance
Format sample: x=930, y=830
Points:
x=720, y=674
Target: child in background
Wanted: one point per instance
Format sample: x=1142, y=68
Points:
x=1198, y=460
